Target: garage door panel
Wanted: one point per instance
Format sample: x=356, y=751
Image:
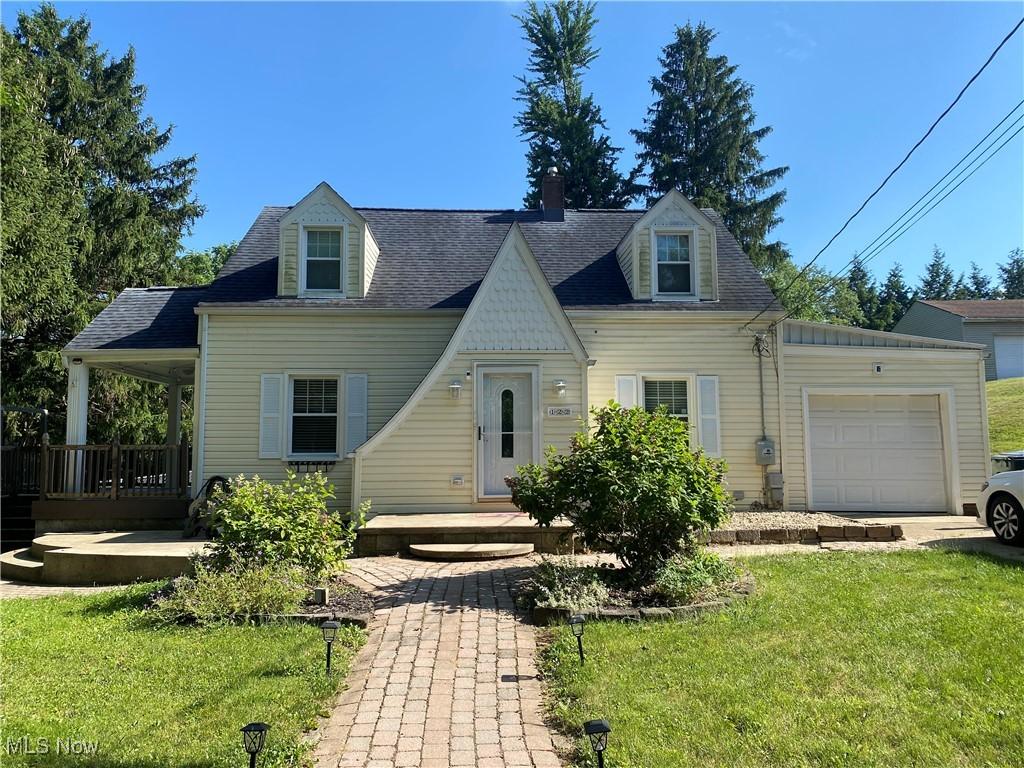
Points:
x=876, y=452
x=1009, y=354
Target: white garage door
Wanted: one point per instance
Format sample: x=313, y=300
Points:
x=1009, y=351
x=876, y=453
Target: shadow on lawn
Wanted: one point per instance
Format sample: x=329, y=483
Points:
x=982, y=548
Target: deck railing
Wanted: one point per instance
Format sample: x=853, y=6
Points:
x=19, y=470
x=114, y=471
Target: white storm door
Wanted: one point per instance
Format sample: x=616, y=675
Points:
x=506, y=428
x=1009, y=352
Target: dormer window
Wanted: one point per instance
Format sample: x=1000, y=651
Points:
x=323, y=262
x=674, y=269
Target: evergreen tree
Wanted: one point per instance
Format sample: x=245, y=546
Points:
x=92, y=204
x=562, y=126
x=979, y=285
x=938, y=281
x=1011, y=275
x=894, y=299
x=866, y=291
x=699, y=137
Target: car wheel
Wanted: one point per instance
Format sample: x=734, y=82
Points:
x=1007, y=520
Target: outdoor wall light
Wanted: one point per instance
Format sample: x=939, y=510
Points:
x=455, y=389
x=330, y=630
x=576, y=624
x=560, y=387
x=253, y=737
x=597, y=731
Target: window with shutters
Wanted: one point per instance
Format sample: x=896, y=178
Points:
x=671, y=394
x=313, y=416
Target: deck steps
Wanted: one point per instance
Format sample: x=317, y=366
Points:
x=466, y=552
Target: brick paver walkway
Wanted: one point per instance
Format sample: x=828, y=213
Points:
x=448, y=676
x=12, y=589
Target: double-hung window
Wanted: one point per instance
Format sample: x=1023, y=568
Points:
x=673, y=264
x=323, y=262
x=673, y=394
x=314, y=417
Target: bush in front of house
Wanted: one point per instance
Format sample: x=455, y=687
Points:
x=563, y=583
x=631, y=486
x=237, y=590
x=262, y=523
x=695, y=573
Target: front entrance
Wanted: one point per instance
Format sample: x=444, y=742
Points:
x=505, y=427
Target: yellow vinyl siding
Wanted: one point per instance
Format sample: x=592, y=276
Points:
x=854, y=370
x=395, y=353
x=370, y=253
x=353, y=253
x=625, y=256
x=411, y=470
x=643, y=253
x=289, y=267
x=624, y=346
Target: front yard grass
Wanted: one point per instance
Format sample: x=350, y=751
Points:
x=92, y=668
x=900, y=659
x=1005, y=414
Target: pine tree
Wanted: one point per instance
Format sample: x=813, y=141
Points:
x=894, y=299
x=938, y=281
x=563, y=127
x=979, y=285
x=699, y=137
x=866, y=291
x=1011, y=275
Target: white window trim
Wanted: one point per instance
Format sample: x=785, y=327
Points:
x=289, y=397
x=691, y=390
x=690, y=232
x=303, y=290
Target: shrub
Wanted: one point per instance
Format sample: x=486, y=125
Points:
x=262, y=523
x=690, y=574
x=563, y=583
x=631, y=486
x=217, y=594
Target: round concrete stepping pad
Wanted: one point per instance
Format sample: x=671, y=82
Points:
x=469, y=551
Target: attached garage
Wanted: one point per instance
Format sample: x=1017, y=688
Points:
x=876, y=453
x=881, y=422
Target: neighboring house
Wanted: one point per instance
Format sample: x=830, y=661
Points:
x=996, y=323
x=418, y=356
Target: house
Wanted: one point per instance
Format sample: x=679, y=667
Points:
x=418, y=356
x=998, y=324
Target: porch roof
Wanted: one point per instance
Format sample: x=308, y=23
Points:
x=144, y=318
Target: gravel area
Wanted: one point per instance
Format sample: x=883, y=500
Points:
x=762, y=521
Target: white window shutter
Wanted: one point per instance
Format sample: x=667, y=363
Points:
x=708, y=422
x=355, y=410
x=625, y=391
x=271, y=415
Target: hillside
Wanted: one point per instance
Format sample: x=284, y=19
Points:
x=1006, y=414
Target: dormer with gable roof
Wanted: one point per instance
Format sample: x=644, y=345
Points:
x=670, y=253
x=326, y=248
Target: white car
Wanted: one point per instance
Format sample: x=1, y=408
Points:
x=1001, y=506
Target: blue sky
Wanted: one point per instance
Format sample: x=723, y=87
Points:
x=412, y=105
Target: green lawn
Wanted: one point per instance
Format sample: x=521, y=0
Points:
x=904, y=659
x=91, y=668
x=1006, y=414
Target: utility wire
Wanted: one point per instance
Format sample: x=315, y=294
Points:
x=892, y=173
x=917, y=217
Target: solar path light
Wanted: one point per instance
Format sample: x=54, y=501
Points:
x=330, y=630
x=576, y=624
x=253, y=737
x=597, y=731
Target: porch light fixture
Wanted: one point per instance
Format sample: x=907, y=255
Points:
x=597, y=731
x=253, y=737
x=560, y=387
x=576, y=624
x=330, y=630
x=455, y=389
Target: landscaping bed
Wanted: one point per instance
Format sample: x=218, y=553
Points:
x=839, y=659
x=770, y=527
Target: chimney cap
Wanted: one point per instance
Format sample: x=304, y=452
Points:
x=553, y=170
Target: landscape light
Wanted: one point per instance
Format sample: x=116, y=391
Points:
x=576, y=622
x=253, y=737
x=330, y=630
x=597, y=731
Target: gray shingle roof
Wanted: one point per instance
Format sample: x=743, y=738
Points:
x=144, y=318
x=429, y=259
x=981, y=309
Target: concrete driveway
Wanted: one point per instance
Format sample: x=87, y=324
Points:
x=947, y=531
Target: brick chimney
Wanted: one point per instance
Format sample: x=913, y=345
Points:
x=552, y=196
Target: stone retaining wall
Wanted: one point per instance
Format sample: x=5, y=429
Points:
x=822, y=533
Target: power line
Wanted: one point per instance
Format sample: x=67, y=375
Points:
x=917, y=217
x=892, y=173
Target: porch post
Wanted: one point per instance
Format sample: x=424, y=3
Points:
x=173, y=414
x=78, y=420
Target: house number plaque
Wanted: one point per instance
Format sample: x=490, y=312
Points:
x=556, y=411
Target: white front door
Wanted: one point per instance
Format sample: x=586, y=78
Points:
x=505, y=428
